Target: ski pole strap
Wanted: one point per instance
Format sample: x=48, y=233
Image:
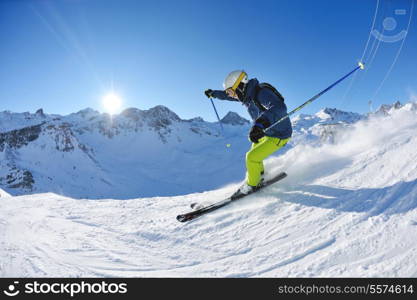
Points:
x=360, y=66
x=215, y=110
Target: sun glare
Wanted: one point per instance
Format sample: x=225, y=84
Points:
x=112, y=103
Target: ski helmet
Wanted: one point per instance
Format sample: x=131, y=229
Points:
x=234, y=79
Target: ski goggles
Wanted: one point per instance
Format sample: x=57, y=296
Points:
x=231, y=93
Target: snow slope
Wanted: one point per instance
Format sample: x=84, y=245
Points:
x=347, y=209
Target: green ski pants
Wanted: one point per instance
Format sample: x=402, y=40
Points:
x=258, y=152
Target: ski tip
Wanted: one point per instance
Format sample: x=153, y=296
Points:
x=184, y=218
x=181, y=218
x=361, y=65
x=282, y=175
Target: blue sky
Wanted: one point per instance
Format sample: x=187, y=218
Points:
x=65, y=55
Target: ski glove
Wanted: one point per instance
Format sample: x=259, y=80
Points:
x=257, y=130
x=209, y=93
x=255, y=134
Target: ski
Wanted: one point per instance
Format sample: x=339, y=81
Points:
x=195, y=206
x=204, y=210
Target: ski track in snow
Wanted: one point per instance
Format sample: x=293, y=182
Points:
x=355, y=217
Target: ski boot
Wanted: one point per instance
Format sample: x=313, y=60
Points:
x=244, y=190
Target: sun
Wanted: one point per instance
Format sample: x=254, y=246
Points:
x=112, y=103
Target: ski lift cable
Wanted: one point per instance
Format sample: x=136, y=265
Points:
x=370, y=32
x=372, y=50
x=375, y=46
x=371, y=58
x=396, y=56
x=342, y=102
x=372, y=54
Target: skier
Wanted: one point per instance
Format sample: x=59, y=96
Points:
x=271, y=130
x=265, y=106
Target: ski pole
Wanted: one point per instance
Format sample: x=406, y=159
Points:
x=360, y=66
x=215, y=110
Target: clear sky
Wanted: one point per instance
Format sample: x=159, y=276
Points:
x=65, y=55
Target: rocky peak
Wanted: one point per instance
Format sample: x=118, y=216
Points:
x=336, y=115
x=233, y=118
x=385, y=108
x=196, y=119
x=161, y=112
x=132, y=113
x=397, y=105
x=40, y=113
x=87, y=113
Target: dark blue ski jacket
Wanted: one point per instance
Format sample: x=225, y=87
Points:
x=275, y=107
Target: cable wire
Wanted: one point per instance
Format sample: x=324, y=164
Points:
x=372, y=28
x=396, y=56
x=342, y=101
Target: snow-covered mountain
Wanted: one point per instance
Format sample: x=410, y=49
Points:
x=138, y=153
x=347, y=209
